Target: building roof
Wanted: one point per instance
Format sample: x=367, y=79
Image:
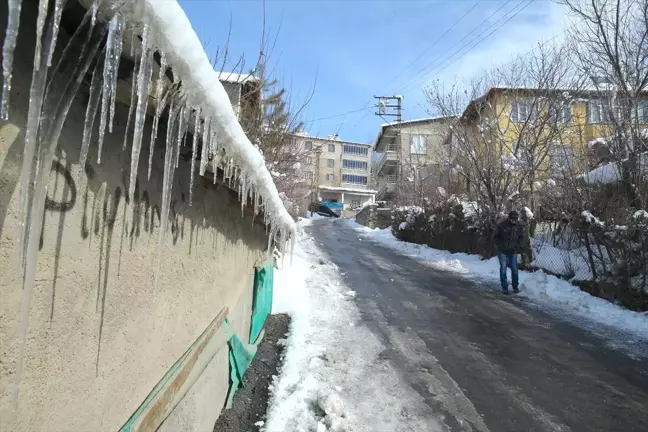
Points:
x=235, y=78
x=307, y=137
x=389, y=126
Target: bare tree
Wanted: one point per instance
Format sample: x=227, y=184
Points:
x=612, y=51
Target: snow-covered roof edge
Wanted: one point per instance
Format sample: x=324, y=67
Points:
x=237, y=78
x=176, y=37
x=350, y=190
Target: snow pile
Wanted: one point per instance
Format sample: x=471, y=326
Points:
x=537, y=285
x=332, y=361
x=640, y=214
x=590, y=219
x=611, y=172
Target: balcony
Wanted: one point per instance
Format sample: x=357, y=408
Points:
x=388, y=156
x=386, y=186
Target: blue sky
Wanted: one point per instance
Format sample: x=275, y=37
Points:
x=350, y=50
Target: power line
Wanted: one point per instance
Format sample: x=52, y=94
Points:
x=434, y=63
x=340, y=115
x=433, y=44
x=404, y=69
x=449, y=64
x=507, y=17
x=520, y=8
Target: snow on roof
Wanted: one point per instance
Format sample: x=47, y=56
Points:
x=350, y=190
x=236, y=78
x=329, y=139
x=174, y=35
x=416, y=120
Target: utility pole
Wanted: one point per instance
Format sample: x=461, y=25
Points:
x=392, y=106
x=316, y=180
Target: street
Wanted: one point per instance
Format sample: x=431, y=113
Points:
x=482, y=361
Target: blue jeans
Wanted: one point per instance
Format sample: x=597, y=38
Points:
x=511, y=258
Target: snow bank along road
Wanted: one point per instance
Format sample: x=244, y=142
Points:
x=481, y=361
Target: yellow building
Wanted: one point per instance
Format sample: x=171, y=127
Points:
x=544, y=131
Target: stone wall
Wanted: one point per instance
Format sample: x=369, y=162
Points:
x=374, y=217
x=107, y=319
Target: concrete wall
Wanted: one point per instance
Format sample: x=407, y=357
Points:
x=374, y=217
x=101, y=333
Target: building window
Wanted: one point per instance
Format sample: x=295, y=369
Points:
x=330, y=177
x=308, y=145
x=392, y=147
x=419, y=144
x=331, y=148
x=523, y=111
x=355, y=203
x=354, y=179
x=309, y=160
x=642, y=112
x=562, y=114
x=308, y=175
x=355, y=150
x=392, y=179
x=597, y=112
x=355, y=164
x=561, y=160
x=330, y=163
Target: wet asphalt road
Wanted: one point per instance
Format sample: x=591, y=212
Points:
x=482, y=361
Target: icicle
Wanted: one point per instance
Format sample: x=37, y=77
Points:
x=36, y=94
x=91, y=112
x=43, y=6
x=48, y=137
x=111, y=68
x=143, y=83
x=117, y=39
x=160, y=103
x=205, y=146
x=58, y=11
x=182, y=121
x=159, y=108
x=244, y=195
x=131, y=107
x=94, y=8
x=8, y=48
x=194, y=148
x=167, y=182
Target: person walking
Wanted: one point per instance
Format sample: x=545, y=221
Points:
x=509, y=238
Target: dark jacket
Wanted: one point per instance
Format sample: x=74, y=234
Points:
x=509, y=236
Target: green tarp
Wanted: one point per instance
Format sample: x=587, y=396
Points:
x=240, y=353
x=262, y=299
x=240, y=357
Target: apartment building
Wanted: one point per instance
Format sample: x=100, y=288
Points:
x=335, y=170
x=408, y=154
x=553, y=127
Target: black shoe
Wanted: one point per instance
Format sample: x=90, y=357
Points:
x=516, y=290
x=505, y=291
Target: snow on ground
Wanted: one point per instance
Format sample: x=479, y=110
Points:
x=535, y=285
x=332, y=360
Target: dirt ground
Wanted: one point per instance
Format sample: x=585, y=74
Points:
x=251, y=400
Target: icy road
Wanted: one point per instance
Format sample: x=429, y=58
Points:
x=481, y=361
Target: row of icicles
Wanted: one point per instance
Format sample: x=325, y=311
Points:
x=97, y=50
